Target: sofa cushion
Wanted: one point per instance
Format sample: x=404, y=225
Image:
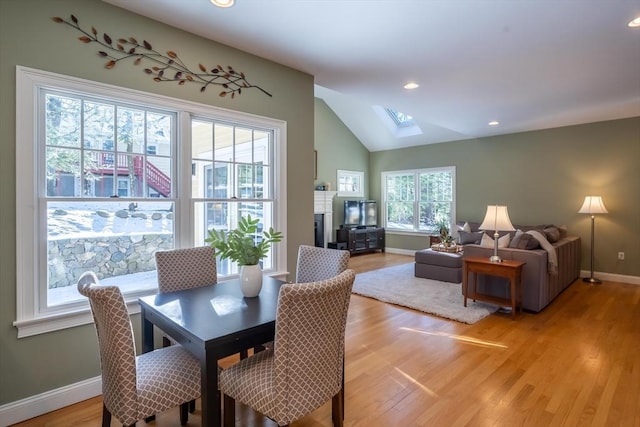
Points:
x=465, y=237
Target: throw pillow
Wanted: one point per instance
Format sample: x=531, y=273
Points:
x=516, y=238
x=552, y=234
x=503, y=242
x=466, y=227
x=465, y=237
x=563, y=231
x=527, y=242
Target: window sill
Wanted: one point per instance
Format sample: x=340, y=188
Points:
x=59, y=321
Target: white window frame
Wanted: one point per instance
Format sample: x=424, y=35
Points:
x=356, y=176
x=416, y=202
x=30, y=242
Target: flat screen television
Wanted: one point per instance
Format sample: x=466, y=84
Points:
x=351, y=212
x=360, y=213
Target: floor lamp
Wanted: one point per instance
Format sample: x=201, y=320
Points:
x=592, y=205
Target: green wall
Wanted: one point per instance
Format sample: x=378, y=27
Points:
x=338, y=149
x=28, y=37
x=543, y=177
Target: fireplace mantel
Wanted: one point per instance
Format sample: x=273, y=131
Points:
x=323, y=204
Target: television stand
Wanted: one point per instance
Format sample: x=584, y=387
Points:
x=362, y=239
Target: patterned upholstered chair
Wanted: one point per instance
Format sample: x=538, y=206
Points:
x=180, y=269
x=319, y=263
x=187, y=268
x=135, y=388
x=305, y=367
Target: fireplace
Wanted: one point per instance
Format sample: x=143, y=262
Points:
x=318, y=230
x=323, y=217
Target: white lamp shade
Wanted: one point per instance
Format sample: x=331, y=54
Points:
x=593, y=205
x=497, y=218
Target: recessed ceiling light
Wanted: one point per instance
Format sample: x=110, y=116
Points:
x=411, y=85
x=634, y=23
x=223, y=3
x=494, y=123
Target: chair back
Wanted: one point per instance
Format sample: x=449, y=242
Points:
x=309, y=343
x=181, y=269
x=316, y=264
x=117, y=350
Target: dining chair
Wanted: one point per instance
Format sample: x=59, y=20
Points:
x=186, y=268
x=316, y=263
x=136, y=387
x=293, y=378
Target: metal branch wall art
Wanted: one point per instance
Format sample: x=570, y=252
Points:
x=166, y=67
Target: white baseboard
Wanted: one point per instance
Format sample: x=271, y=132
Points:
x=37, y=405
x=400, y=251
x=610, y=277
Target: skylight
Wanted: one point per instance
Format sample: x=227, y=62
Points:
x=399, y=124
x=399, y=118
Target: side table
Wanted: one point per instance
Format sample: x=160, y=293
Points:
x=509, y=269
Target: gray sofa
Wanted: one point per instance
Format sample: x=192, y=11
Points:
x=540, y=283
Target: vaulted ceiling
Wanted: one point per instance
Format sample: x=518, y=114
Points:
x=528, y=64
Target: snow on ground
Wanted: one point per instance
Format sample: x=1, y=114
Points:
x=73, y=219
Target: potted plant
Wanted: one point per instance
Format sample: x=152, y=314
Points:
x=446, y=239
x=242, y=246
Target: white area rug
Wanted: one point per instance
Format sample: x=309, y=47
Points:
x=398, y=285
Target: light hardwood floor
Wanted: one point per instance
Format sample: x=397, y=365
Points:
x=575, y=364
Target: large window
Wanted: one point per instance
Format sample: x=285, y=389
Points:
x=416, y=201
x=107, y=176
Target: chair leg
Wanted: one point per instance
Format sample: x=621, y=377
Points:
x=192, y=406
x=337, y=409
x=244, y=354
x=184, y=413
x=229, y=411
x=106, y=417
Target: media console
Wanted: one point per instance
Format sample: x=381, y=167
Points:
x=362, y=239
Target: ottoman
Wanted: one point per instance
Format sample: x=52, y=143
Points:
x=443, y=266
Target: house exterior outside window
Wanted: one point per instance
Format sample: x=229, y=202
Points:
x=111, y=175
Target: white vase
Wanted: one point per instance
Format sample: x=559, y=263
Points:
x=250, y=280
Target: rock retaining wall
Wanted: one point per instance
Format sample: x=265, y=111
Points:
x=107, y=256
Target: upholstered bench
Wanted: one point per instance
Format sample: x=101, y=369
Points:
x=443, y=266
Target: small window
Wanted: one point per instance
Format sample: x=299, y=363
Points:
x=350, y=183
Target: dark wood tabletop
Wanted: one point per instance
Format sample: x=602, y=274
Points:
x=212, y=322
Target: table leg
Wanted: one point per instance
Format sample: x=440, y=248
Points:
x=465, y=282
x=147, y=332
x=512, y=281
x=209, y=394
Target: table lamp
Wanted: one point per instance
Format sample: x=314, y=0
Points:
x=496, y=219
x=592, y=205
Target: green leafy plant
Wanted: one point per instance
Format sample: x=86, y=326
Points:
x=240, y=245
x=443, y=229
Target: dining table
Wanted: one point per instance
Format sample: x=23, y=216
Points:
x=212, y=322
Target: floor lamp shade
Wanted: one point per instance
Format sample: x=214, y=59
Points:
x=496, y=219
x=592, y=205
